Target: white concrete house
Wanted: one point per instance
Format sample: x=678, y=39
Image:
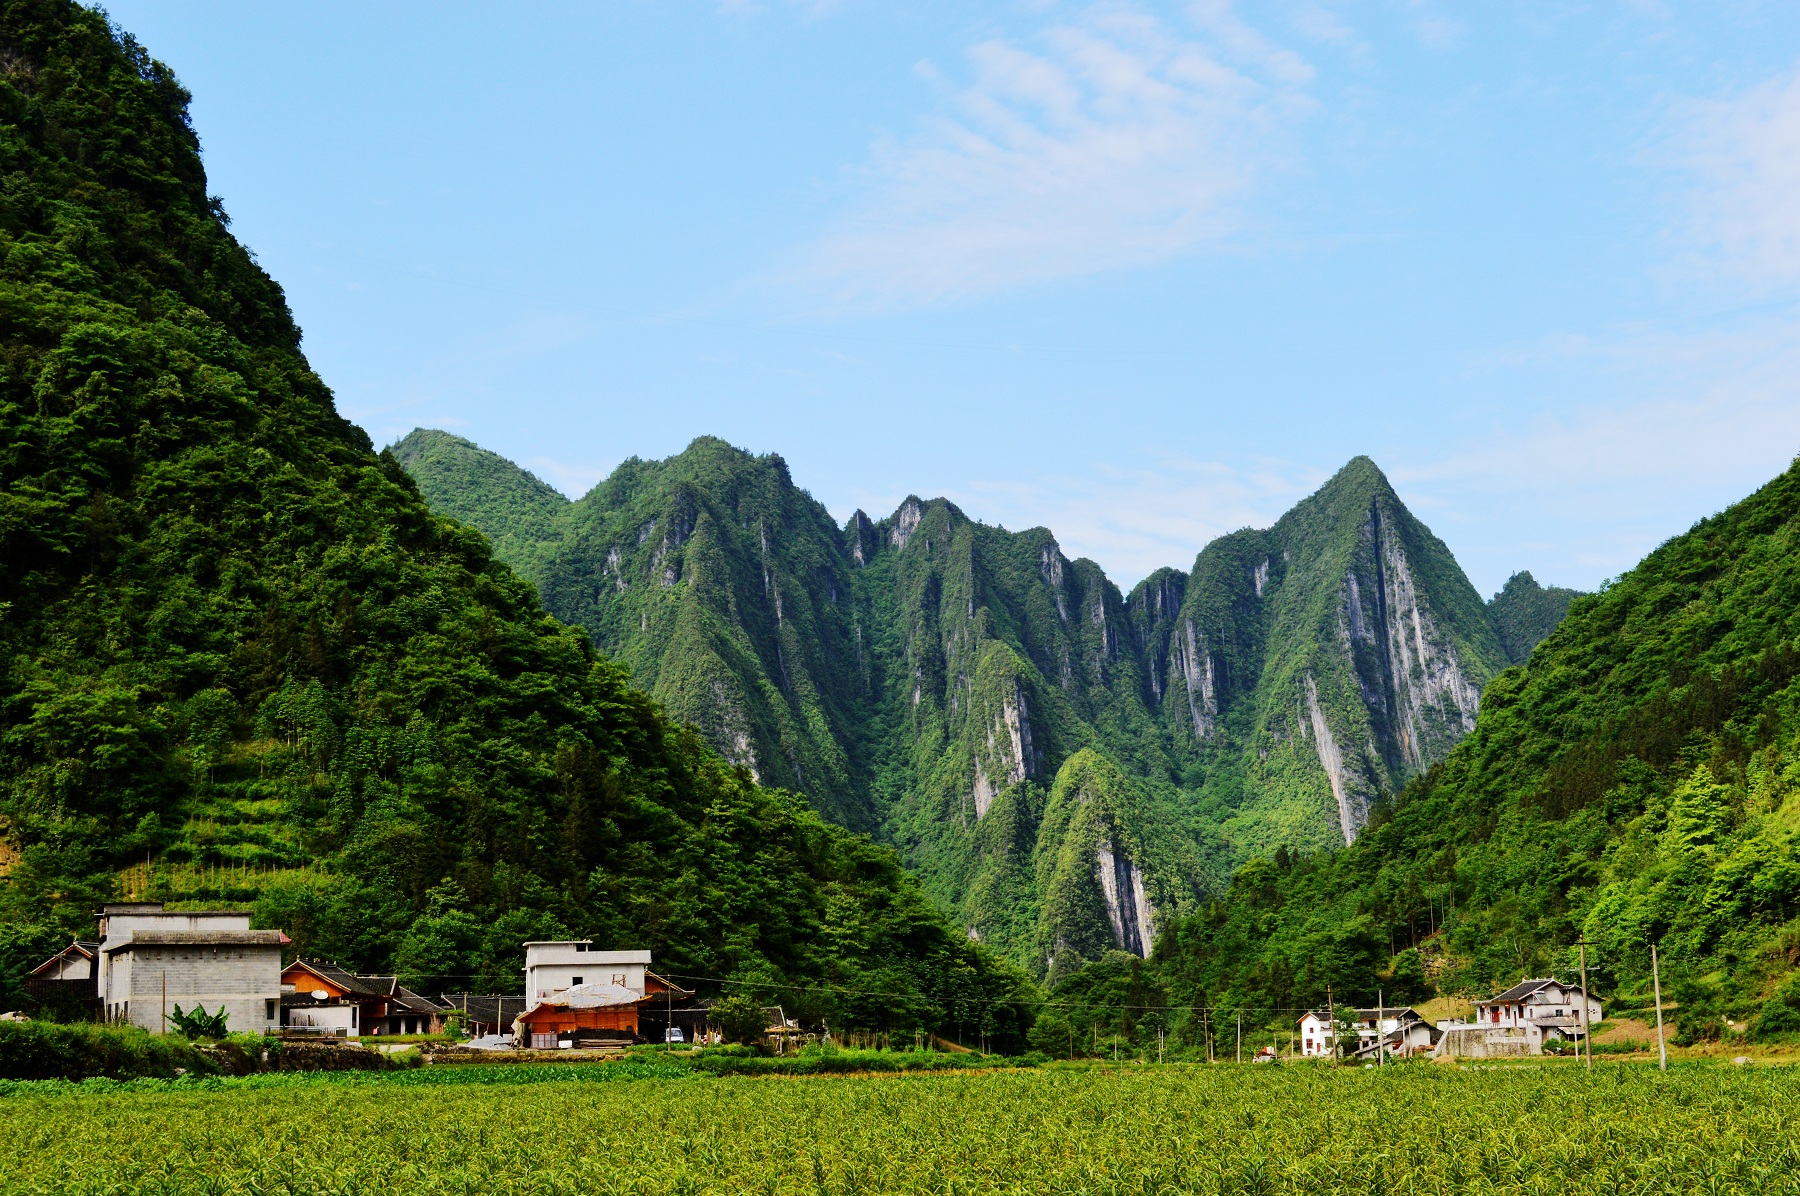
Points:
x=1521, y=1019
x=1546, y=1005
x=554, y=967
x=153, y=959
x=1404, y=1031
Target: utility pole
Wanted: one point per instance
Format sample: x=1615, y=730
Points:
x=1662, y=1047
x=165, y=1003
x=1331, y=1023
x=1159, y=1046
x=1380, y=1029
x=1587, y=1038
x=1240, y=1036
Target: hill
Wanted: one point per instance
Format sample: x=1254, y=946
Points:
x=962, y=690
x=242, y=660
x=1637, y=782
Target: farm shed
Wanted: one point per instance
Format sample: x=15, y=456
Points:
x=492, y=1013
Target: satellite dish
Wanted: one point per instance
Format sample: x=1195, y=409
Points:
x=320, y=994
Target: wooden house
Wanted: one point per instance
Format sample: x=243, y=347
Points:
x=326, y=999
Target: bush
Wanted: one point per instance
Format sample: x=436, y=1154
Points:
x=1780, y=1014
x=46, y=1051
x=741, y=1019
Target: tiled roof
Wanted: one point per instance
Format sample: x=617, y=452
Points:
x=201, y=938
x=1523, y=989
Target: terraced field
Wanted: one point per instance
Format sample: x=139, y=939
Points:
x=1137, y=1130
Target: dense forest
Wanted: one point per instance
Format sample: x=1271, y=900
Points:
x=241, y=660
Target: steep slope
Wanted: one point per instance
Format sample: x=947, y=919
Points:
x=1525, y=613
x=1636, y=782
x=934, y=676
x=240, y=659
x=522, y=516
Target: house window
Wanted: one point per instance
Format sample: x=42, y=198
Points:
x=269, y=1010
x=574, y=979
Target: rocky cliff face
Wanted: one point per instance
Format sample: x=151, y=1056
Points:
x=1063, y=764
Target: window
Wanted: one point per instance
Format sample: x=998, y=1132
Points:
x=619, y=979
x=574, y=979
x=269, y=1010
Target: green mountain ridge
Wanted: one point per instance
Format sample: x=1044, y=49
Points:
x=1636, y=783
x=242, y=661
x=931, y=679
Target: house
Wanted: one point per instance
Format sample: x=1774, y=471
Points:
x=150, y=959
x=77, y=961
x=551, y=967
x=324, y=998
x=1401, y=1029
x=602, y=1008
x=68, y=982
x=1545, y=1008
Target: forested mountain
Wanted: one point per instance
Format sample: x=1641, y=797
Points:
x=1524, y=613
x=1637, y=782
x=1067, y=766
x=240, y=658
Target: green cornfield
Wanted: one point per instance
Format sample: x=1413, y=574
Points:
x=1137, y=1130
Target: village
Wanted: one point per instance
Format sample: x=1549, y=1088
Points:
x=148, y=964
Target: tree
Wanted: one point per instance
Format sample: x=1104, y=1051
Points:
x=741, y=1019
x=1053, y=1034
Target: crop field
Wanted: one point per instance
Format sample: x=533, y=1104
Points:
x=1136, y=1130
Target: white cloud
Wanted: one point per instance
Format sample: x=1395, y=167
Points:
x=1110, y=140
x=1744, y=152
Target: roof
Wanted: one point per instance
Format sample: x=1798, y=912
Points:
x=1523, y=989
x=201, y=938
x=350, y=982
x=412, y=1002
x=84, y=950
x=491, y=1007
x=590, y=996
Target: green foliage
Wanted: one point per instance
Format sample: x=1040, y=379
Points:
x=241, y=661
x=37, y=1050
x=741, y=1019
x=1056, y=1129
x=1524, y=613
x=1635, y=782
x=197, y=1023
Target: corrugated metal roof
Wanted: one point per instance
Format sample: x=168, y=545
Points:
x=201, y=938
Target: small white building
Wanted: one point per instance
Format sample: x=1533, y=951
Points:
x=555, y=967
x=151, y=960
x=1401, y=1028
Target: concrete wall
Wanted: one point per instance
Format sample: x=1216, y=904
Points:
x=553, y=967
x=1487, y=1042
x=243, y=978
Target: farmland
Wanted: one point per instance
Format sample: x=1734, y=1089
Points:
x=1135, y=1130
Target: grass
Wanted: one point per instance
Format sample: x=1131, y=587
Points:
x=1094, y=1129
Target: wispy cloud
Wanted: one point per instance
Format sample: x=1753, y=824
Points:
x=1743, y=152
x=1112, y=139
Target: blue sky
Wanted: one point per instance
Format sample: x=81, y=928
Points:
x=1142, y=273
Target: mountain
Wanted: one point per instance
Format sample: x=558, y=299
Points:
x=241, y=660
x=1067, y=767
x=1637, y=782
x=1525, y=613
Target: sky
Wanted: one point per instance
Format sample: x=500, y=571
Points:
x=1142, y=273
